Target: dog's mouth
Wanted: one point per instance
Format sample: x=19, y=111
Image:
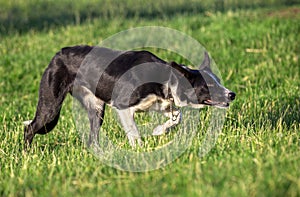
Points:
x=216, y=104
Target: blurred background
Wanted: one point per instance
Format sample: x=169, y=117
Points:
x=21, y=16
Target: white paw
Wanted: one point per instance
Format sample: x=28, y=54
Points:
x=176, y=117
x=140, y=142
x=159, y=130
x=27, y=122
x=133, y=138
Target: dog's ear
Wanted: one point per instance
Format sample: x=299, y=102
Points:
x=183, y=70
x=178, y=67
x=206, y=62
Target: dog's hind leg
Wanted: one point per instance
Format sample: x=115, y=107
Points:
x=53, y=89
x=46, y=117
x=41, y=124
x=95, y=108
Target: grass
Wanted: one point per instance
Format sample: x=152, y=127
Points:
x=257, y=154
x=21, y=16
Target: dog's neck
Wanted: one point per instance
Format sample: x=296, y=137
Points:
x=172, y=96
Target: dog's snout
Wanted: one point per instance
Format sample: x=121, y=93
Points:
x=231, y=95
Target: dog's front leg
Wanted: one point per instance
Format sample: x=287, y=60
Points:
x=175, y=117
x=128, y=123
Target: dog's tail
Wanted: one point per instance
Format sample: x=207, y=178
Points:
x=27, y=122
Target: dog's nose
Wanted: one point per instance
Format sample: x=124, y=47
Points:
x=231, y=95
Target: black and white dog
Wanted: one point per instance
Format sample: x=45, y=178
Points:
x=129, y=81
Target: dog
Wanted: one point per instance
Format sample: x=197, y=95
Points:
x=95, y=76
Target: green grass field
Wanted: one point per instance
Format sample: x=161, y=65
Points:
x=258, y=153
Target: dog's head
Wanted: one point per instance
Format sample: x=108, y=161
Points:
x=205, y=87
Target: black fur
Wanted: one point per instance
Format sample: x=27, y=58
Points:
x=73, y=63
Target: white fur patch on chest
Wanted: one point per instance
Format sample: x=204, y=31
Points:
x=152, y=103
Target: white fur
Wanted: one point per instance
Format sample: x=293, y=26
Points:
x=27, y=122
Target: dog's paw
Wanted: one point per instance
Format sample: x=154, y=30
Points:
x=159, y=130
x=140, y=142
x=27, y=122
x=132, y=141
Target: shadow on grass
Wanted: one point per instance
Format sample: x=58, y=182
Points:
x=44, y=14
x=285, y=112
x=22, y=16
x=267, y=113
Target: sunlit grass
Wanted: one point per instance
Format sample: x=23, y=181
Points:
x=257, y=153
